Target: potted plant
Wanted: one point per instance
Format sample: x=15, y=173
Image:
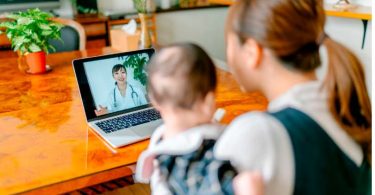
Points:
x=29, y=33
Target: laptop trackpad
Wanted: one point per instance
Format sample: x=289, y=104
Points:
x=122, y=137
x=147, y=129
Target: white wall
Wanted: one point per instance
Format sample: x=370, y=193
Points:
x=65, y=10
x=202, y=26
x=116, y=5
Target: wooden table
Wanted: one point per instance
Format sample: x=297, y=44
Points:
x=45, y=143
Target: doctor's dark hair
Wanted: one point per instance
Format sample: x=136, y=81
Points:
x=293, y=30
x=117, y=67
x=180, y=75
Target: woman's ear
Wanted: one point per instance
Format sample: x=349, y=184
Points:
x=253, y=53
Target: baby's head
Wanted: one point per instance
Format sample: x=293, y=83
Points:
x=182, y=76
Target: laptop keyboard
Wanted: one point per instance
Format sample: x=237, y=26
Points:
x=128, y=120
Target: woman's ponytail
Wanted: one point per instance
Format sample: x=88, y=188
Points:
x=348, y=99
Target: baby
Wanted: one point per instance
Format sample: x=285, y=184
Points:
x=180, y=160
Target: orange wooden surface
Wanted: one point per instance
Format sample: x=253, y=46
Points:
x=45, y=143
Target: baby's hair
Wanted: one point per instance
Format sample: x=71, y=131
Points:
x=117, y=67
x=181, y=74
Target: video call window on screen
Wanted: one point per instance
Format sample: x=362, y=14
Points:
x=118, y=83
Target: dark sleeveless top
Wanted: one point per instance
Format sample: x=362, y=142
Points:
x=320, y=166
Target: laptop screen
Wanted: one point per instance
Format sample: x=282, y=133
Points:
x=113, y=84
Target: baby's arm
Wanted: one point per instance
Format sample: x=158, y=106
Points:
x=158, y=183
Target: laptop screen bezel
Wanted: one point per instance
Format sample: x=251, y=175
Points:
x=84, y=88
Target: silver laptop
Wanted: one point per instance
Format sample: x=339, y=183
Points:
x=114, y=96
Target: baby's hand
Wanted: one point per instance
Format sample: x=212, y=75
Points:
x=248, y=183
x=218, y=115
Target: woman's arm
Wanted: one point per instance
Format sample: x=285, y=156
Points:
x=247, y=143
x=107, y=107
x=248, y=183
x=101, y=111
x=158, y=183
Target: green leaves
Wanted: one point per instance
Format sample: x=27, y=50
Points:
x=34, y=47
x=24, y=21
x=137, y=62
x=13, y=16
x=140, y=6
x=7, y=24
x=18, y=41
x=44, y=26
x=30, y=31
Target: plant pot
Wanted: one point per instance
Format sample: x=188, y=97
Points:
x=36, y=62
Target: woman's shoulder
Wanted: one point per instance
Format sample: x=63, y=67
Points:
x=251, y=123
x=250, y=115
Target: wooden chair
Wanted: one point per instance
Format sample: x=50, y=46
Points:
x=73, y=34
x=5, y=44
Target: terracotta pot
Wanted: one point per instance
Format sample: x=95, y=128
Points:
x=36, y=62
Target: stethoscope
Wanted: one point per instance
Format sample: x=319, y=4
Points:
x=133, y=94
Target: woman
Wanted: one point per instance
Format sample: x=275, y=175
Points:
x=123, y=95
x=316, y=136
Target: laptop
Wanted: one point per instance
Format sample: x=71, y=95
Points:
x=114, y=96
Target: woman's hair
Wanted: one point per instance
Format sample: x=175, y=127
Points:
x=117, y=67
x=181, y=74
x=293, y=30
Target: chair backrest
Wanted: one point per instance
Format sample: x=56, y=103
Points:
x=72, y=34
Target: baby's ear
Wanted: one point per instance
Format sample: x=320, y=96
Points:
x=210, y=97
x=209, y=103
x=154, y=103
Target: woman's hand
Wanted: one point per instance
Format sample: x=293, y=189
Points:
x=248, y=183
x=102, y=110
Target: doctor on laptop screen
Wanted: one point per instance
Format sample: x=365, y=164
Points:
x=124, y=95
x=116, y=88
